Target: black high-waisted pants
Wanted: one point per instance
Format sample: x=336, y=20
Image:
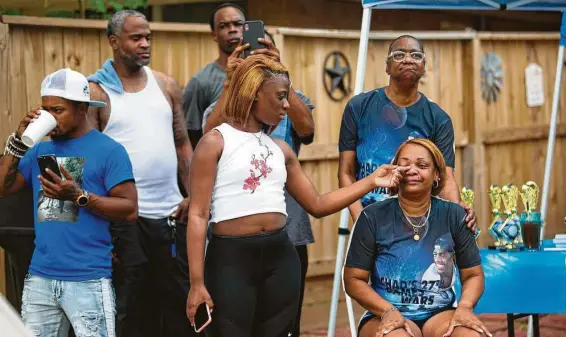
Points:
x=254, y=282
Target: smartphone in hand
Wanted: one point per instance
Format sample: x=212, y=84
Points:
x=252, y=31
x=202, y=317
x=49, y=161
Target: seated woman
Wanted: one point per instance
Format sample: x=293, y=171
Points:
x=410, y=247
x=252, y=275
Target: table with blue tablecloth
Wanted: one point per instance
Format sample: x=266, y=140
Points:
x=524, y=283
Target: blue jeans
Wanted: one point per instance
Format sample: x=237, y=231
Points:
x=49, y=306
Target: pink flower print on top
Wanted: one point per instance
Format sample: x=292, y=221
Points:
x=260, y=170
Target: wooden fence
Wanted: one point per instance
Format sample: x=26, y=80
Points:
x=501, y=143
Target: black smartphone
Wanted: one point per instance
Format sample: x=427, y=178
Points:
x=49, y=161
x=202, y=317
x=253, y=30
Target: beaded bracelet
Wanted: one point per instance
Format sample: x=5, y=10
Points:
x=15, y=146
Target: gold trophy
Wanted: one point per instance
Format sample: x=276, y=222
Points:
x=531, y=222
x=529, y=196
x=511, y=228
x=495, y=198
x=468, y=196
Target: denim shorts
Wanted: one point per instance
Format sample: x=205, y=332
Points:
x=50, y=306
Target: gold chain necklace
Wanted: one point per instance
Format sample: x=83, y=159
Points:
x=418, y=226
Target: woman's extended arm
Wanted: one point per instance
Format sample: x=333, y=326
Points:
x=303, y=190
x=202, y=176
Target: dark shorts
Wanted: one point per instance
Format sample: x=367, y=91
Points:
x=419, y=322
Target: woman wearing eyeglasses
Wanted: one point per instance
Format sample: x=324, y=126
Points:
x=376, y=122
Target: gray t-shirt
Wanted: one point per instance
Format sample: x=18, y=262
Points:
x=203, y=89
x=298, y=222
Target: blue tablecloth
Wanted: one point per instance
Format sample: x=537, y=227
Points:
x=523, y=282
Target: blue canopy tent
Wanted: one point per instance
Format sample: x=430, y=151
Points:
x=525, y=5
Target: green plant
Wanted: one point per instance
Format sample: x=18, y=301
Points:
x=102, y=6
x=7, y=11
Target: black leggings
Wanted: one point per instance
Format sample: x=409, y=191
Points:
x=254, y=282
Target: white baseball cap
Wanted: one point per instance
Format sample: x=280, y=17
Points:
x=69, y=84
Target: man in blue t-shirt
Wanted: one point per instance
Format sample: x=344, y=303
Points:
x=70, y=271
x=376, y=122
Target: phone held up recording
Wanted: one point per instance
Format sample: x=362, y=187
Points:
x=253, y=30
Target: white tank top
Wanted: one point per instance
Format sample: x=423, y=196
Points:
x=250, y=177
x=143, y=123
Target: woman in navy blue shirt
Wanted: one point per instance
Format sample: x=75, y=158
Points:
x=412, y=246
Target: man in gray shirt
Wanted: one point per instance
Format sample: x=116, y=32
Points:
x=205, y=86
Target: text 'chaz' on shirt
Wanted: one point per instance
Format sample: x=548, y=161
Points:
x=417, y=277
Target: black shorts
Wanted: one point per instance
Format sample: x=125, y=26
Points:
x=419, y=322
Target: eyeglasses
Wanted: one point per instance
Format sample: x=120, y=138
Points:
x=400, y=56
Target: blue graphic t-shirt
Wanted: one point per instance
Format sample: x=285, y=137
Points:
x=72, y=243
x=417, y=277
x=375, y=127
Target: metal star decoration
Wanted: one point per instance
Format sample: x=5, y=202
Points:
x=337, y=77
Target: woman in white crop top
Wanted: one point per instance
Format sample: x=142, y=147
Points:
x=252, y=273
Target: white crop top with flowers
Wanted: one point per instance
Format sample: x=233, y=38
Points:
x=250, y=177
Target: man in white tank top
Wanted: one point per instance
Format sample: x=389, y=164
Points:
x=143, y=113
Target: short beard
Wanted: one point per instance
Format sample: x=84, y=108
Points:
x=227, y=50
x=134, y=62
x=59, y=137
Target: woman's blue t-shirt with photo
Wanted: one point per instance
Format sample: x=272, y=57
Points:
x=416, y=276
x=374, y=127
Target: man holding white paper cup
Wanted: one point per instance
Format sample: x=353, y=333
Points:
x=90, y=175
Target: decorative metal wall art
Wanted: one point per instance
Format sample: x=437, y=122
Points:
x=491, y=77
x=336, y=76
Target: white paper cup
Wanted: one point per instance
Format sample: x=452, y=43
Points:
x=39, y=128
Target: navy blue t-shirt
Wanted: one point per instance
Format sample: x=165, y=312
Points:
x=417, y=277
x=375, y=127
x=72, y=243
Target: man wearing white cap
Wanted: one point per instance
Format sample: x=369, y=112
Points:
x=70, y=271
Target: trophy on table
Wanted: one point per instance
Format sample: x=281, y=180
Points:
x=495, y=198
x=511, y=227
x=531, y=222
x=468, y=196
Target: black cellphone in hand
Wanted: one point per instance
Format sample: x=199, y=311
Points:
x=202, y=317
x=253, y=30
x=49, y=161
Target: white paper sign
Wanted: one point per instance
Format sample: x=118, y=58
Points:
x=534, y=84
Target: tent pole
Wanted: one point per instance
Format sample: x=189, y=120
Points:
x=343, y=228
x=551, y=137
x=553, y=122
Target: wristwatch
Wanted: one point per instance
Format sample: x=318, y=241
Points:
x=82, y=200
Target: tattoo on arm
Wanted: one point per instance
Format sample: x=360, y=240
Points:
x=179, y=124
x=94, y=114
x=180, y=135
x=12, y=173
